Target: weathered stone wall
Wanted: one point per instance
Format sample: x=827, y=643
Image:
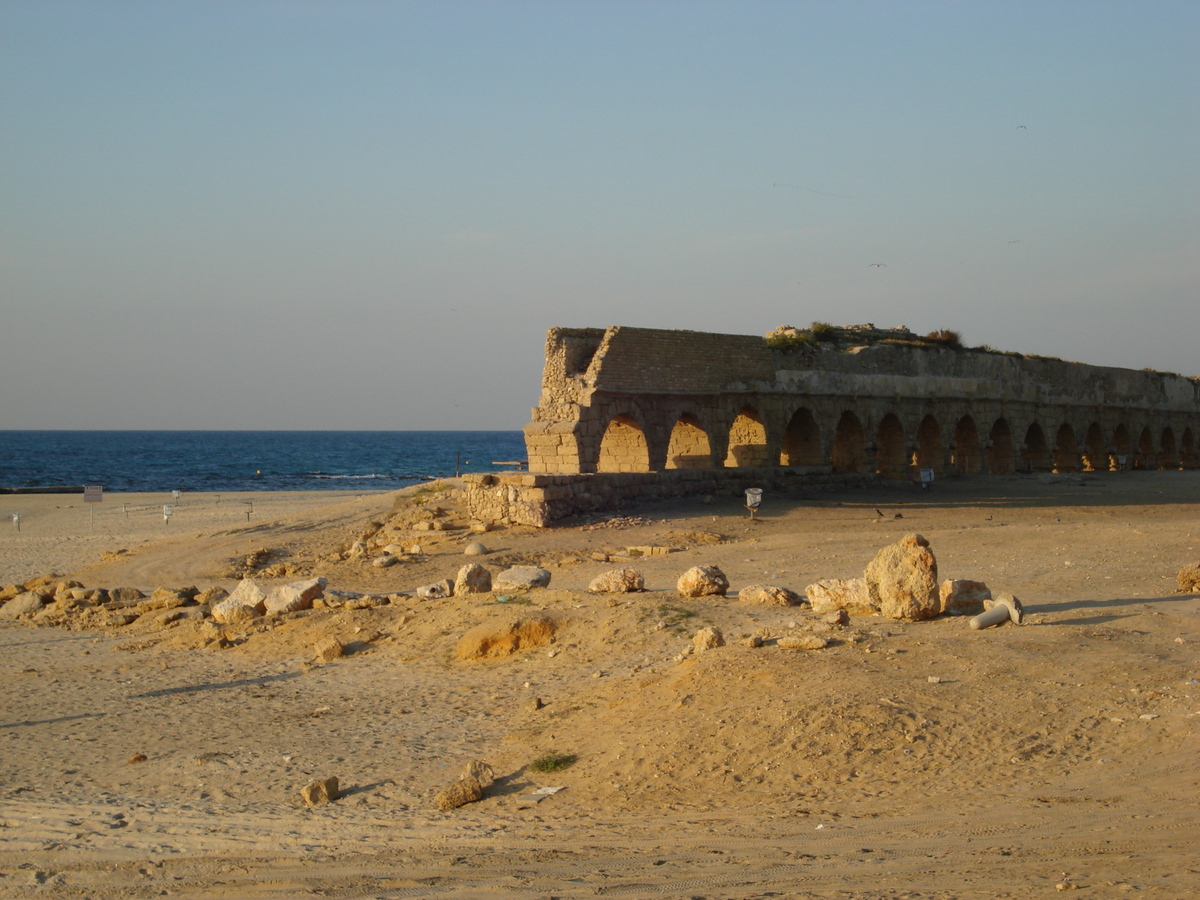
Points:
x=636, y=401
x=539, y=499
x=885, y=407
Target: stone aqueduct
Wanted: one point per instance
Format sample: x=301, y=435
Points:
x=629, y=415
x=644, y=400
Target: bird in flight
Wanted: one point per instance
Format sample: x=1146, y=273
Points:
x=877, y=266
x=1022, y=126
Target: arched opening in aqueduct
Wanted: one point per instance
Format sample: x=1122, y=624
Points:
x=1036, y=454
x=1145, y=457
x=1169, y=458
x=802, y=441
x=1066, y=451
x=966, y=456
x=891, y=460
x=1187, y=450
x=1122, y=446
x=929, y=445
x=747, y=441
x=623, y=447
x=849, y=449
x=1000, y=453
x=689, y=447
x=1095, y=458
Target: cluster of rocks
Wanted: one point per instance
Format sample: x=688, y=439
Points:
x=470, y=786
x=474, y=578
x=51, y=600
x=901, y=582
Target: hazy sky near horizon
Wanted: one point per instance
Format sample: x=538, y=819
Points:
x=344, y=215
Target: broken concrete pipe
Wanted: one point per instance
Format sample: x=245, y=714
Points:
x=1005, y=608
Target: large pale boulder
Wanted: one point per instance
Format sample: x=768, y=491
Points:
x=902, y=580
x=960, y=597
x=617, y=581
x=22, y=605
x=831, y=594
x=247, y=601
x=480, y=771
x=285, y=598
x=769, y=594
x=472, y=579
x=494, y=640
x=702, y=581
x=521, y=578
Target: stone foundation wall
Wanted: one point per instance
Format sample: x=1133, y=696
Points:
x=518, y=498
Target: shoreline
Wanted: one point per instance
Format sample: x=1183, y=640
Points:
x=62, y=533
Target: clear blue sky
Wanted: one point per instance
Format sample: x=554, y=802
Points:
x=366, y=214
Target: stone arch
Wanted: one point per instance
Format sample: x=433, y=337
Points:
x=1036, y=455
x=1095, y=455
x=849, y=444
x=1187, y=450
x=623, y=447
x=1122, y=447
x=928, y=454
x=1168, y=458
x=689, y=447
x=1145, y=457
x=747, y=441
x=891, y=460
x=1000, y=454
x=1066, y=450
x=967, y=457
x=802, y=441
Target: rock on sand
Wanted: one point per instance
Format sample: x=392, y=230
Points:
x=703, y=581
x=902, y=580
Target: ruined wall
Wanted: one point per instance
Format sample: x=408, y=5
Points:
x=514, y=498
x=638, y=400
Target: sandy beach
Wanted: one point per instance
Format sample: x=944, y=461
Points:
x=905, y=759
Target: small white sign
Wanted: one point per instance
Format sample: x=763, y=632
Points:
x=93, y=493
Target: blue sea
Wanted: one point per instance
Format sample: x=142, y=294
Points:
x=155, y=461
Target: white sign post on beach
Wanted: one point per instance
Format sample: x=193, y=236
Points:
x=93, y=493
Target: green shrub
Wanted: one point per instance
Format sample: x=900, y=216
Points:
x=823, y=332
x=786, y=342
x=552, y=761
x=946, y=338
